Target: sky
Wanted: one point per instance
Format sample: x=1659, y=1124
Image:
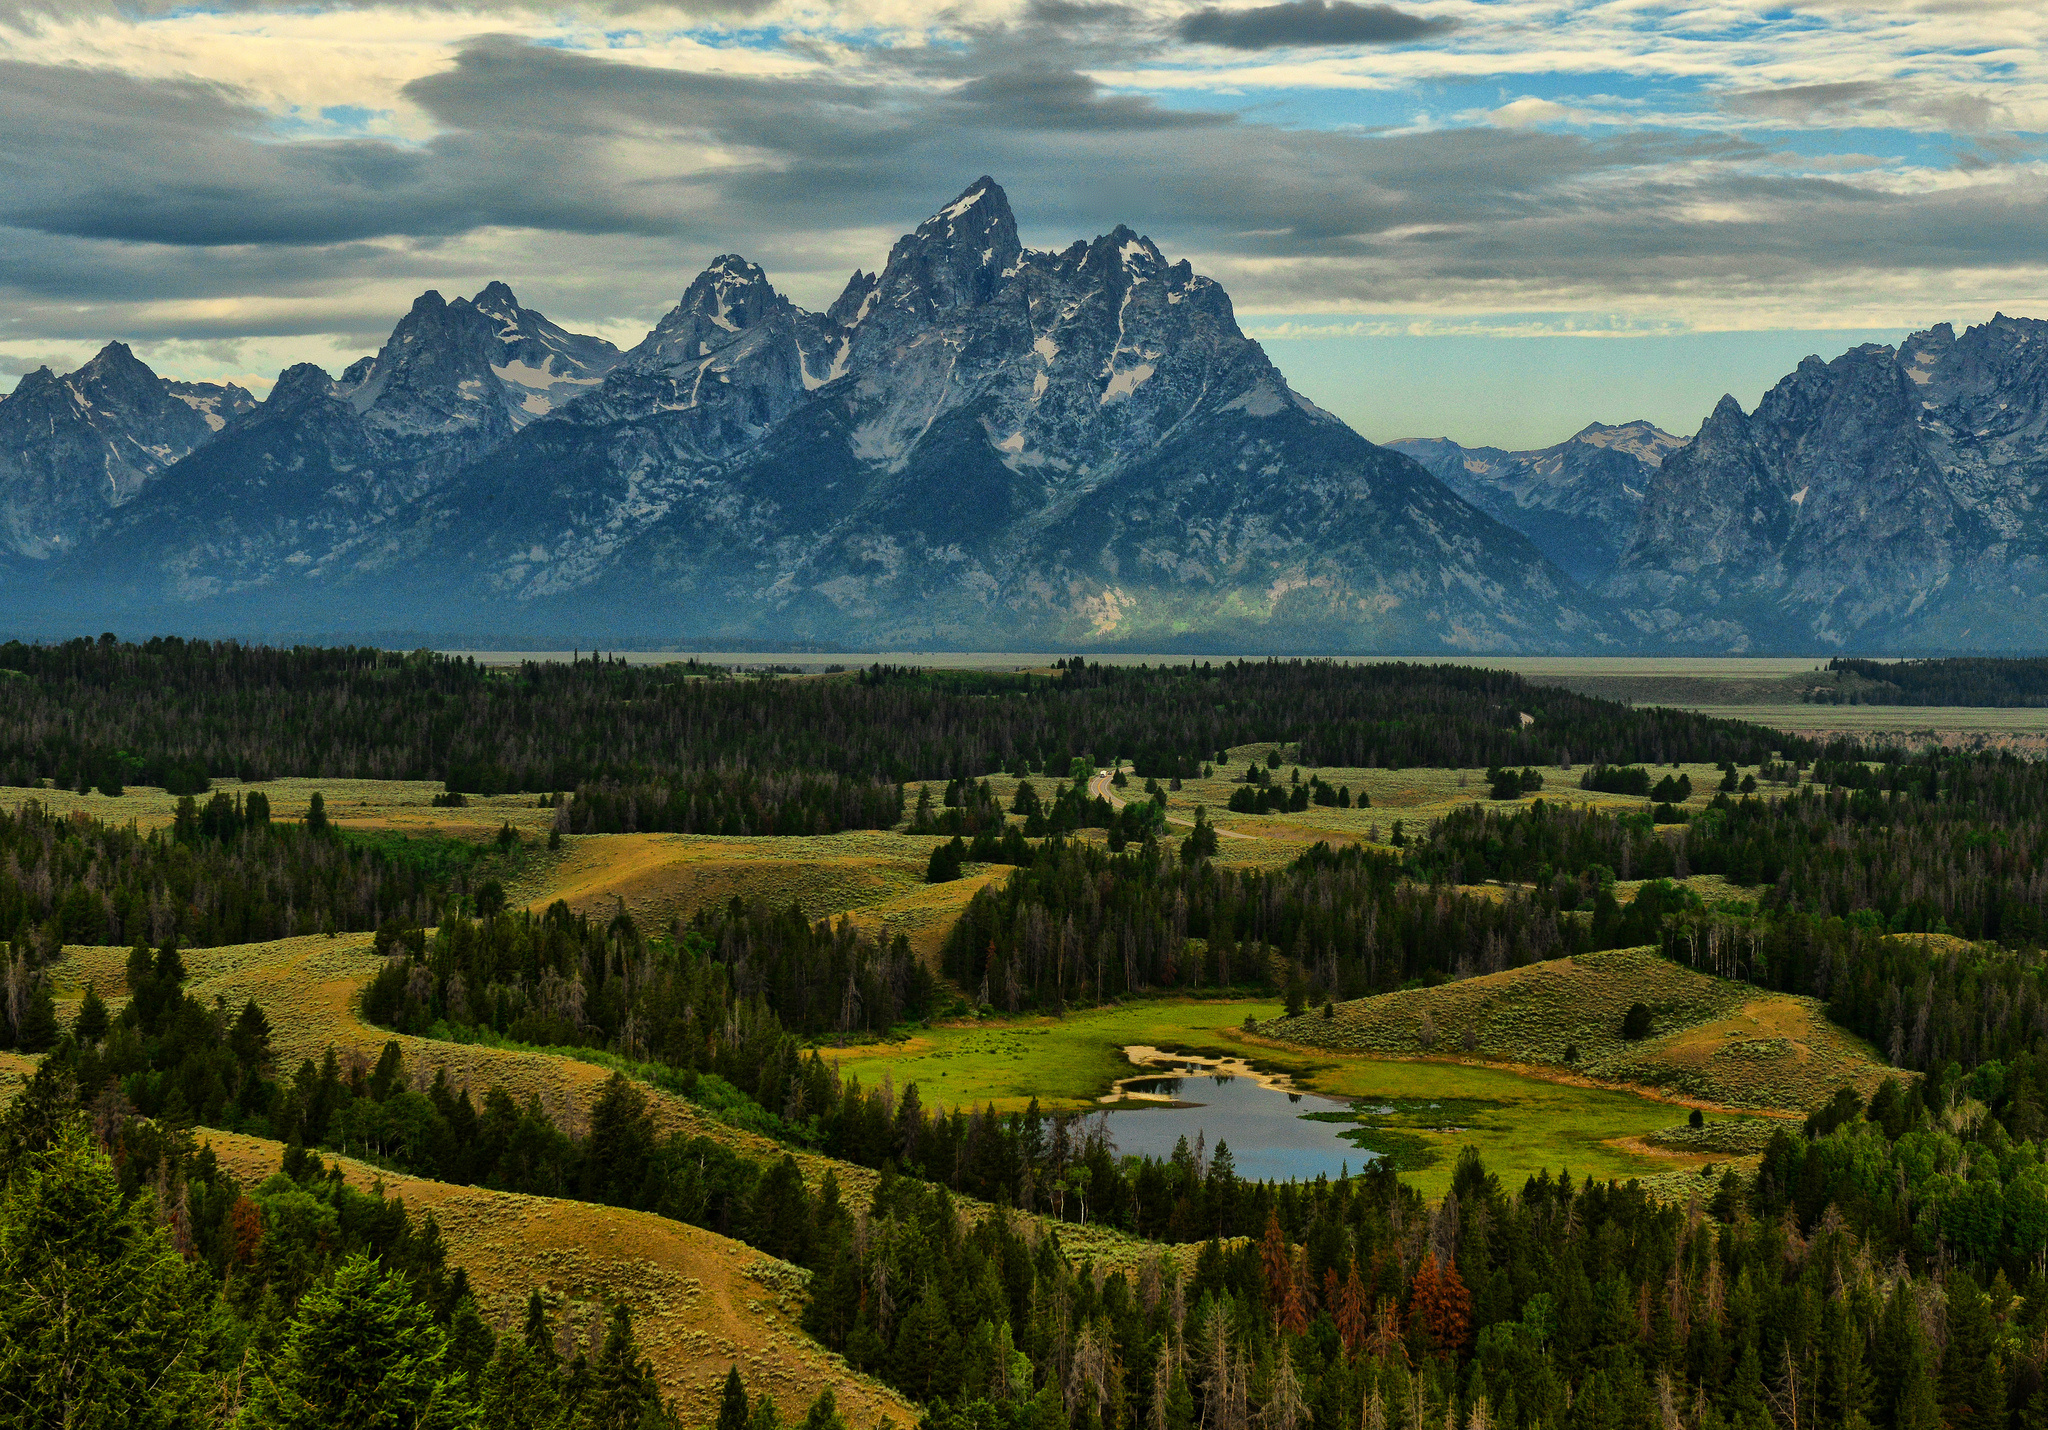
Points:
x=1495, y=220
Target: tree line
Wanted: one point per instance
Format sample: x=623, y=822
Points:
x=1954, y=680
x=688, y=746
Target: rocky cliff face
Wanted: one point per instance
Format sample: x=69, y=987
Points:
x=315, y=487
x=1576, y=501
x=1888, y=500
x=75, y=448
x=983, y=444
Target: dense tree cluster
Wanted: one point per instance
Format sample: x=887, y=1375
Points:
x=684, y=746
x=149, y=1287
x=223, y=873
x=1080, y=925
x=1561, y=1304
x=1950, y=844
x=738, y=980
x=1954, y=680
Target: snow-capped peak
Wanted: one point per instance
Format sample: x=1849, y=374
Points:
x=983, y=190
x=960, y=257
x=497, y=301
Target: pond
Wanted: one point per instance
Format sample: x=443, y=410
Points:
x=1267, y=1124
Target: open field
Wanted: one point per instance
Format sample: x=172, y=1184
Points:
x=659, y=877
x=926, y=913
x=1909, y=725
x=1065, y=1063
x=1426, y=1110
x=1712, y=1041
x=1414, y=796
x=403, y=805
x=701, y=1303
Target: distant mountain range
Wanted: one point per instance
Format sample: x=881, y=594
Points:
x=982, y=445
x=1577, y=501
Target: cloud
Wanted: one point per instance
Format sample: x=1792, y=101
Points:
x=1049, y=99
x=597, y=181
x=29, y=15
x=1307, y=22
x=1867, y=104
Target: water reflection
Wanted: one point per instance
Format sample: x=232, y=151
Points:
x=1270, y=1136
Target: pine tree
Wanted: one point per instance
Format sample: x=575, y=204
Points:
x=1439, y=1299
x=519, y=1389
x=1746, y=1406
x=92, y=1018
x=824, y=1412
x=732, y=1404
x=101, y=1321
x=625, y=1392
x=1844, y=1391
x=39, y=1030
x=359, y=1353
x=1972, y=1391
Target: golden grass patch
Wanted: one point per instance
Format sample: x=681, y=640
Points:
x=403, y=805
x=1413, y=796
x=926, y=914
x=660, y=877
x=1712, y=1041
x=701, y=1303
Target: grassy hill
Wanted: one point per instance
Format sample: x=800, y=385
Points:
x=700, y=1302
x=309, y=988
x=1710, y=1039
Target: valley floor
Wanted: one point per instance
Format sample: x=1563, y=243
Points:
x=702, y=1302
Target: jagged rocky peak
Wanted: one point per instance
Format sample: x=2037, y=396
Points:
x=498, y=301
x=1726, y=424
x=854, y=300
x=729, y=298
x=541, y=365
x=434, y=373
x=733, y=294
x=76, y=447
x=957, y=258
x=1577, y=500
x=1990, y=376
x=215, y=402
x=115, y=371
x=1921, y=353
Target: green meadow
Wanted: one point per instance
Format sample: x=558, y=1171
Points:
x=1419, y=1112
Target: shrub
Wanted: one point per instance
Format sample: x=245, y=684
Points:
x=1635, y=1024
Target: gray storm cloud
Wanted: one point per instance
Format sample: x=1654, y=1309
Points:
x=1308, y=22
x=124, y=191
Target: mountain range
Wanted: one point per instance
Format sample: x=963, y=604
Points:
x=1577, y=501
x=985, y=445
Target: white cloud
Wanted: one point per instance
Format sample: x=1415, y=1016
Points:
x=1608, y=184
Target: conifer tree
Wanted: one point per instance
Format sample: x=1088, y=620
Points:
x=101, y=1321
x=360, y=1353
x=732, y=1404
x=92, y=1018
